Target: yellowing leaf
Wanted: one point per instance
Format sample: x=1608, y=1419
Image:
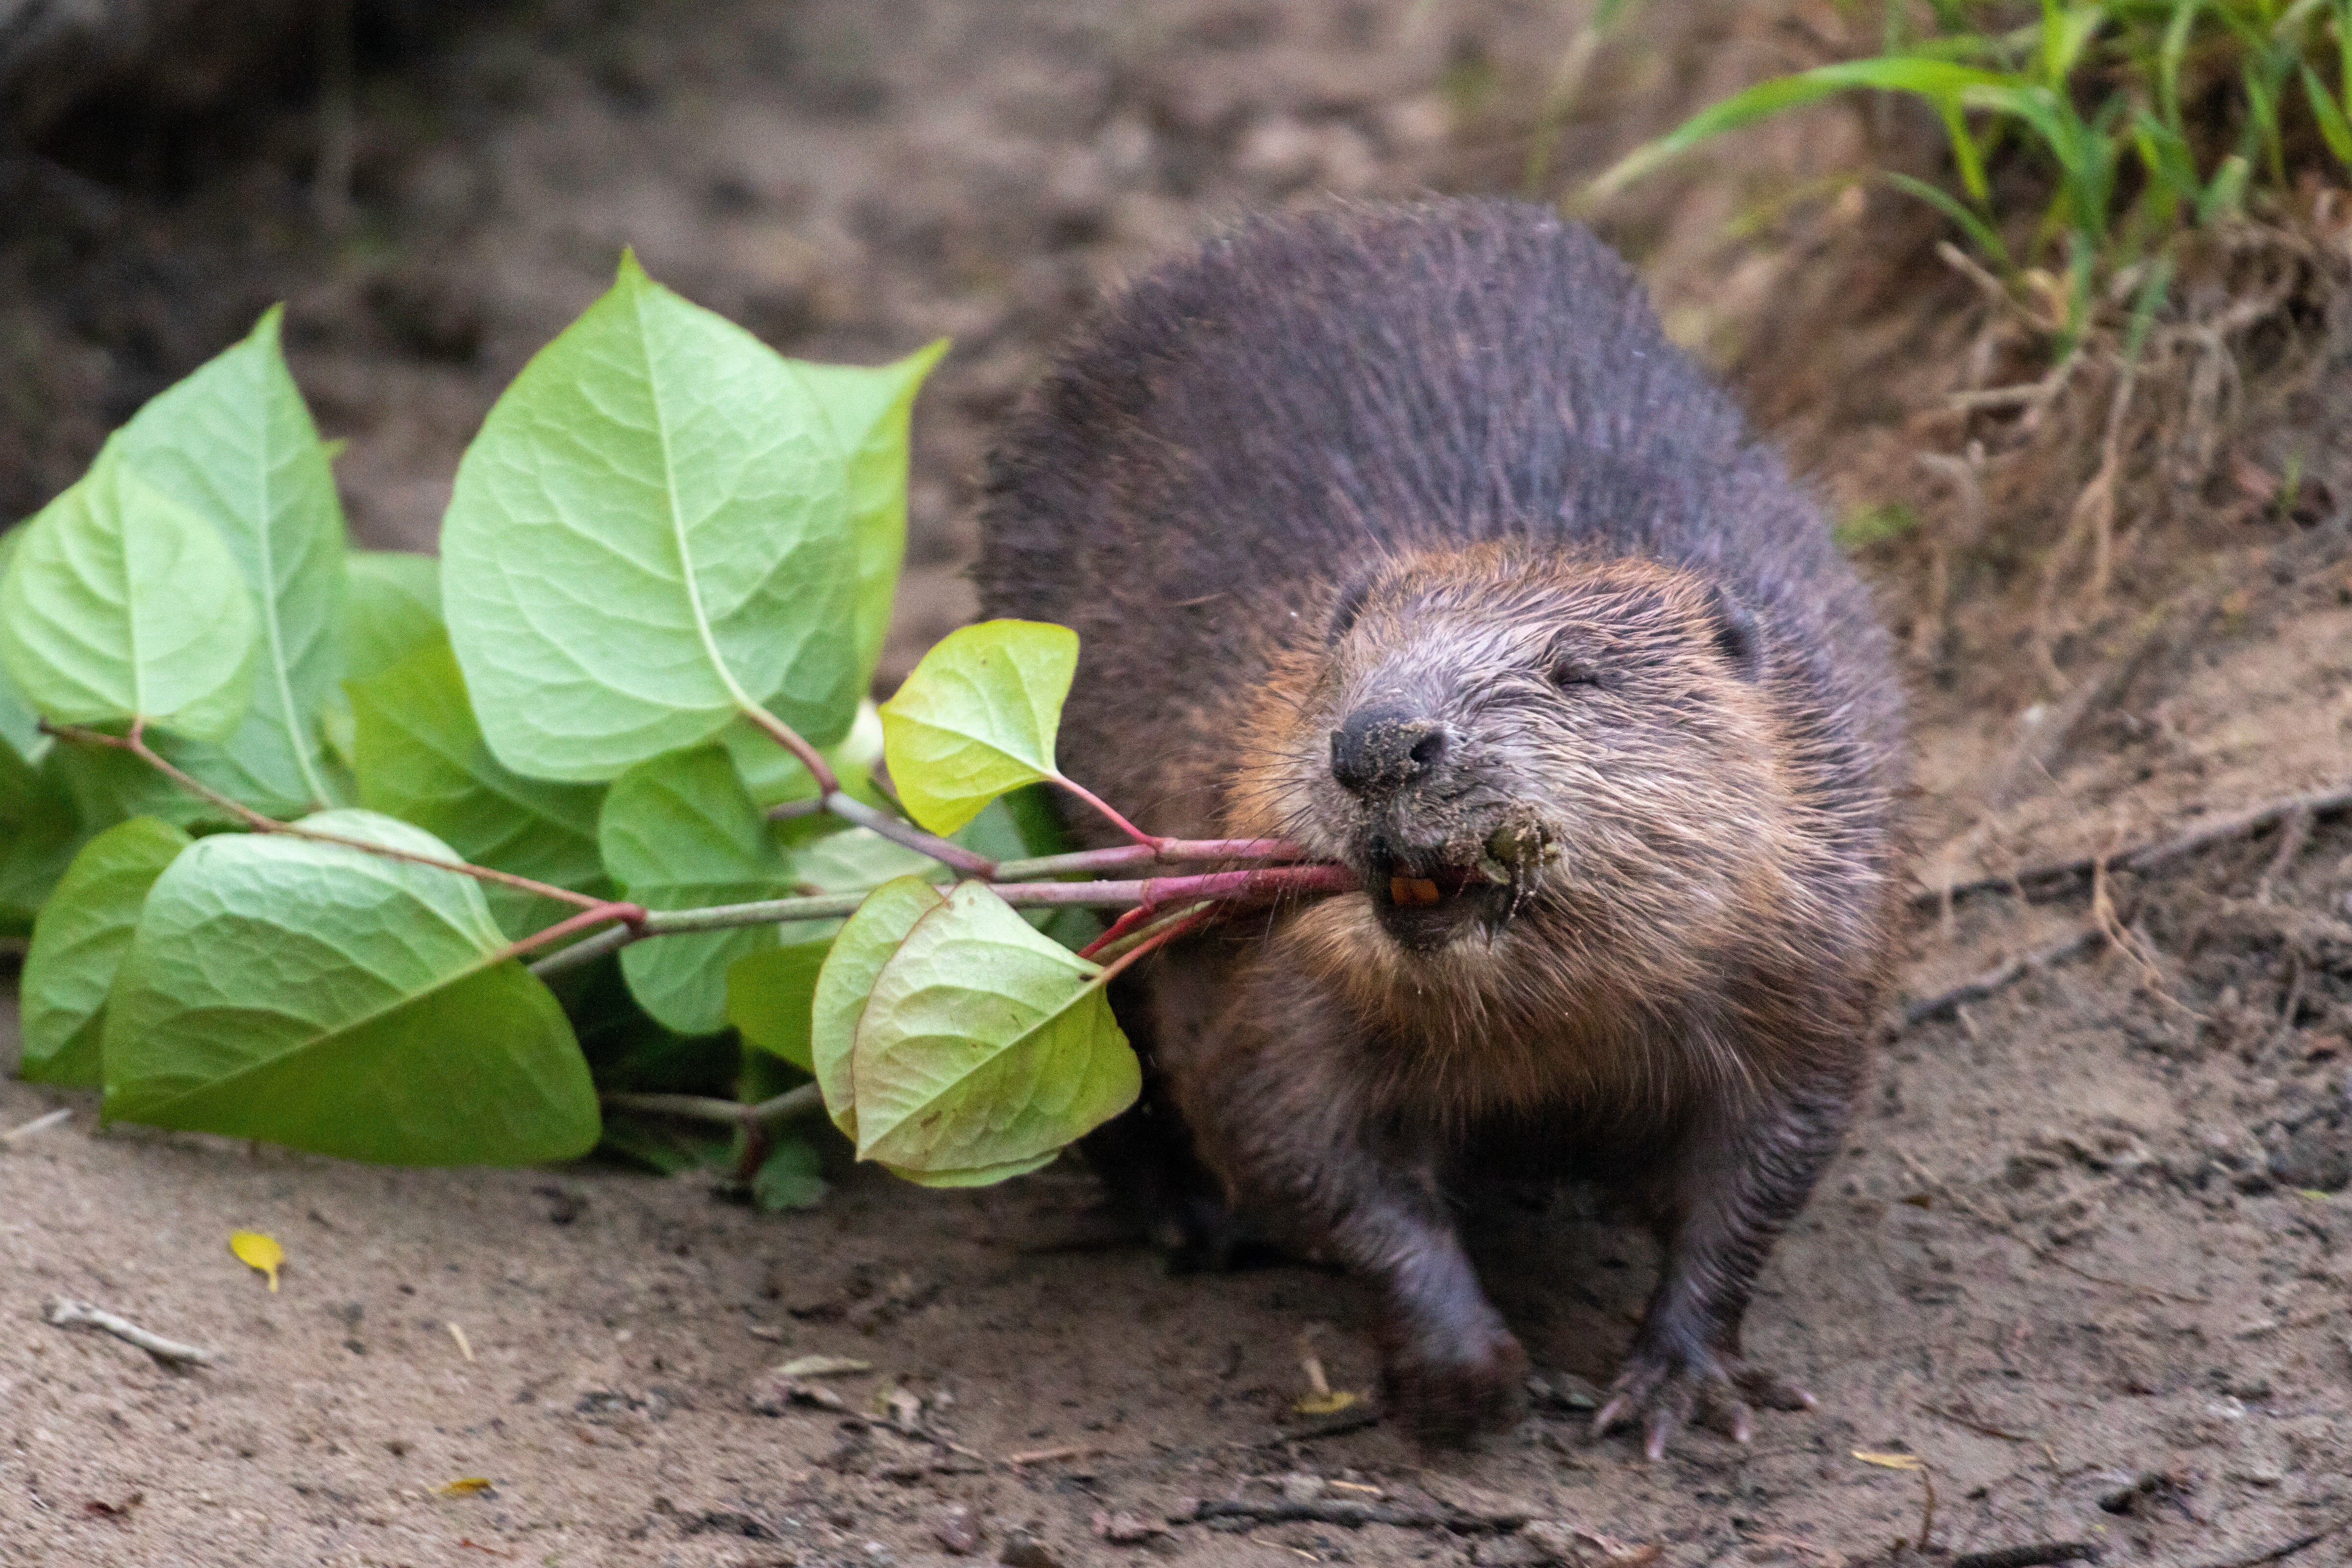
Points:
x=977, y=718
x=1891, y=1461
x=257, y=1252
x=1330, y=1403
x=465, y=1486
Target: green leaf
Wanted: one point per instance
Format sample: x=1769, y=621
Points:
x=123, y=604
x=79, y=942
x=233, y=444
x=39, y=830
x=649, y=537
x=328, y=999
x=859, y=953
x=983, y=1046
x=420, y=757
x=769, y=994
x=791, y=1177
x=396, y=609
x=981, y=1177
x=978, y=717
x=679, y=833
x=20, y=724
x=871, y=411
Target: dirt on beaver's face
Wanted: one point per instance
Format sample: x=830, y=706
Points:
x=1512, y=748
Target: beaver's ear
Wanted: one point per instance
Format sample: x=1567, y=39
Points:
x=1350, y=605
x=1738, y=637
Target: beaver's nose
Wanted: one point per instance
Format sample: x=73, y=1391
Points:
x=1386, y=748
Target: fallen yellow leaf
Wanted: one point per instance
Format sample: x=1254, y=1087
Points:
x=465, y=1486
x=1330, y=1403
x=257, y=1252
x=1891, y=1461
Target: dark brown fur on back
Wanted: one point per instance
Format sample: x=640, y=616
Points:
x=1431, y=477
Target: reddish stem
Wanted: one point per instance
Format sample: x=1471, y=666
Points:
x=1112, y=816
x=1185, y=927
x=631, y=916
x=1255, y=883
x=136, y=745
x=1166, y=851
x=828, y=782
x=1120, y=928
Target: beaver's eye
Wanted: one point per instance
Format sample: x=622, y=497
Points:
x=1568, y=672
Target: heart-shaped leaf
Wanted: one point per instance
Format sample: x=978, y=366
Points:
x=984, y=1046
x=649, y=537
x=679, y=833
x=328, y=999
x=121, y=604
x=977, y=718
x=233, y=444
x=79, y=942
x=419, y=756
x=871, y=411
x=860, y=950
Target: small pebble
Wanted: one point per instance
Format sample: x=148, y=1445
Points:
x=956, y=1528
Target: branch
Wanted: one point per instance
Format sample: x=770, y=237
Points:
x=850, y=810
x=1979, y=986
x=136, y=745
x=1255, y=885
x=789, y=1106
x=1161, y=852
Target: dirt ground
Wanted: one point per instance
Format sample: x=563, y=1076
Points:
x=2087, y=1255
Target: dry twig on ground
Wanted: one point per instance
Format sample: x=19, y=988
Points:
x=62, y=1313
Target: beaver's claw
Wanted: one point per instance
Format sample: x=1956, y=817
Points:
x=1663, y=1392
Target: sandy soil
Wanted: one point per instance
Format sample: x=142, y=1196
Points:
x=2088, y=1253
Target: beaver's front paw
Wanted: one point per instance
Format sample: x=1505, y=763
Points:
x=1452, y=1389
x=1662, y=1390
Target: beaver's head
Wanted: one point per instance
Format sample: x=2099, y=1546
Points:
x=1512, y=745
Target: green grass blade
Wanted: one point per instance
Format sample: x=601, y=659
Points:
x=2146, y=301
x=1981, y=234
x=2227, y=191
x=2332, y=126
x=1967, y=154
x=2170, y=57
x=1938, y=82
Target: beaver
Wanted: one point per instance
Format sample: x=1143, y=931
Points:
x=1403, y=532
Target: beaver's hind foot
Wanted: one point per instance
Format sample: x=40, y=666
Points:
x=1662, y=1392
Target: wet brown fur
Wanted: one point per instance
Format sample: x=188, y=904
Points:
x=1441, y=457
